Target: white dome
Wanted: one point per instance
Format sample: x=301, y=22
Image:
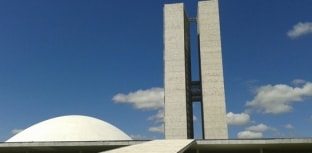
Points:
x=70, y=128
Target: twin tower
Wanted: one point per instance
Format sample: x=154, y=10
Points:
x=180, y=90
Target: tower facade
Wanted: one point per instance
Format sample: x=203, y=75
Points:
x=180, y=90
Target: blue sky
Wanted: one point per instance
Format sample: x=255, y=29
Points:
x=105, y=59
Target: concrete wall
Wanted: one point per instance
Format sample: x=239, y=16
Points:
x=213, y=96
x=178, y=118
x=178, y=103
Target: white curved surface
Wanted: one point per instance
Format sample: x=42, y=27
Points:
x=70, y=128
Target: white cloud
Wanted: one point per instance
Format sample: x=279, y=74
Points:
x=258, y=128
x=194, y=118
x=143, y=99
x=278, y=98
x=255, y=131
x=157, y=129
x=149, y=99
x=157, y=118
x=298, y=82
x=16, y=131
x=237, y=119
x=249, y=135
x=289, y=126
x=300, y=29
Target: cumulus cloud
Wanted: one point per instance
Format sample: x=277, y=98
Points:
x=143, y=99
x=276, y=99
x=289, y=126
x=298, y=82
x=148, y=99
x=249, y=135
x=258, y=128
x=157, y=118
x=300, y=29
x=194, y=118
x=237, y=119
x=157, y=129
x=254, y=131
x=16, y=131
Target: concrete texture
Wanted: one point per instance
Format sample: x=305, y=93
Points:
x=70, y=128
x=178, y=83
x=213, y=96
x=156, y=146
x=197, y=146
x=178, y=116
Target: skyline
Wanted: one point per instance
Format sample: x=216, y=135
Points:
x=104, y=59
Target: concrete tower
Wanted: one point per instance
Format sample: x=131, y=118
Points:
x=180, y=89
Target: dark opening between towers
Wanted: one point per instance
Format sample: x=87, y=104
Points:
x=196, y=92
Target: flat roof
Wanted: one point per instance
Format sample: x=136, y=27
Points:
x=256, y=145
x=156, y=146
x=245, y=145
x=65, y=146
